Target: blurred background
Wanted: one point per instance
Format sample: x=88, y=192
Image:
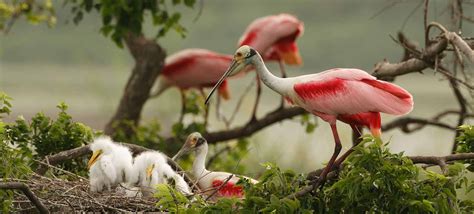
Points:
x=41, y=67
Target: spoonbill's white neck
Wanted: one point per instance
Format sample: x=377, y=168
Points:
x=199, y=164
x=277, y=84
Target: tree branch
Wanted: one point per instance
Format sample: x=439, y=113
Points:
x=251, y=128
x=24, y=188
x=385, y=69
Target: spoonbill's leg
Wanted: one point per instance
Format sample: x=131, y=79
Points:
x=183, y=105
x=356, y=134
x=337, y=150
x=355, y=129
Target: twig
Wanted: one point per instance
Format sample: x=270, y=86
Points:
x=220, y=187
x=26, y=190
x=216, y=155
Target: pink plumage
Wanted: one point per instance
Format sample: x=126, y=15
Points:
x=194, y=68
x=350, y=95
x=275, y=37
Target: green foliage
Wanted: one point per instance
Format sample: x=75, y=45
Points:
x=121, y=17
x=5, y=105
x=45, y=136
x=35, y=12
x=372, y=181
x=375, y=180
x=465, y=143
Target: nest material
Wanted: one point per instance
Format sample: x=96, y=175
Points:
x=60, y=195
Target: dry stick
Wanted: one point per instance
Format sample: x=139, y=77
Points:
x=239, y=104
x=24, y=188
x=425, y=22
x=216, y=155
x=404, y=122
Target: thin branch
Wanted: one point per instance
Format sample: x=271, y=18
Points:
x=220, y=187
x=26, y=190
x=387, y=69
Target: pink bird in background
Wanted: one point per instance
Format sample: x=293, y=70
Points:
x=345, y=94
x=193, y=68
x=275, y=37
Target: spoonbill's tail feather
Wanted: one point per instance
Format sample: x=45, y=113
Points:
x=401, y=101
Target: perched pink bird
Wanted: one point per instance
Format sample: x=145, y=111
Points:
x=275, y=37
x=193, y=68
x=223, y=183
x=346, y=94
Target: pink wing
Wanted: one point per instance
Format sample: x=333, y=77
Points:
x=351, y=91
x=264, y=32
x=195, y=68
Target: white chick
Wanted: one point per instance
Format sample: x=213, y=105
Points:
x=109, y=165
x=152, y=169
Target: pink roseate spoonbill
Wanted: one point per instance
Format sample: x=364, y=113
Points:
x=193, y=68
x=275, y=37
x=223, y=182
x=346, y=94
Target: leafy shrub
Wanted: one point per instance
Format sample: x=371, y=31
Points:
x=373, y=180
x=465, y=143
x=45, y=136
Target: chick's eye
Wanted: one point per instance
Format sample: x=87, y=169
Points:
x=238, y=54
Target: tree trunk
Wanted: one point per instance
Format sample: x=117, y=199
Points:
x=149, y=59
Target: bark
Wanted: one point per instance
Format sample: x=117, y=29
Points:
x=149, y=60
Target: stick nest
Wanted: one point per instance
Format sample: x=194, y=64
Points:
x=61, y=195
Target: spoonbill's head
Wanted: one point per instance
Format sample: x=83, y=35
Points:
x=193, y=142
x=243, y=56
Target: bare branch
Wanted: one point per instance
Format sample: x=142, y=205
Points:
x=251, y=128
x=26, y=190
x=386, y=69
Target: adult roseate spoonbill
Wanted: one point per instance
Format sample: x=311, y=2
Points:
x=346, y=94
x=275, y=37
x=193, y=68
x=151, y=168
x=225, y=183
x=114, y=164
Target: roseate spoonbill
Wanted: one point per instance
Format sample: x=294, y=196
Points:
x=223, y=182
x=275, y=37
x=151, y=168
x=346, y=94
x=114, y=161
x=193, y=68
